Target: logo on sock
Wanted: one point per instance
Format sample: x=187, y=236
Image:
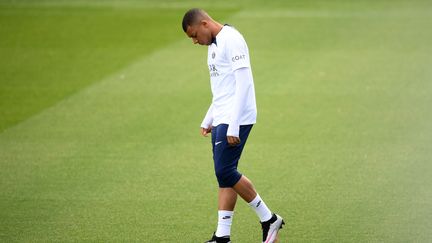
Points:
x=226, y=217
x=259, y=203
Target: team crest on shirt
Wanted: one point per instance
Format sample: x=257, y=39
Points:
x=213, y=55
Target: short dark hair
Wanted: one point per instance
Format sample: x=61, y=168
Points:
x=191, y=17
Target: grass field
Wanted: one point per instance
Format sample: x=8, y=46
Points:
x=101, y=101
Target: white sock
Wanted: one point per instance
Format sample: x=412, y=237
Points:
x=224, y=223
x=261, y=209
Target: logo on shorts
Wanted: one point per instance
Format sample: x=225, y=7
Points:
x=218, y=143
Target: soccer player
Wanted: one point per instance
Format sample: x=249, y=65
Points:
x=229, y=119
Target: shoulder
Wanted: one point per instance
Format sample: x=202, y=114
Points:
x=232, y=38
x=232, y=33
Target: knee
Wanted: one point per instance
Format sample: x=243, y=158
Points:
x=227, y=177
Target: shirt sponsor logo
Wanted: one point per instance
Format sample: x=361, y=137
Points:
x=212, y=68
x=213, y=71
x=237, y=58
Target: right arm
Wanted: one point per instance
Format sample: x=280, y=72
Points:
x=206, y=125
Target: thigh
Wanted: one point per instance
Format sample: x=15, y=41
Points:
x=223, y=153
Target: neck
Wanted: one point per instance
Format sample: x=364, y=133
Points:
x=216, y=28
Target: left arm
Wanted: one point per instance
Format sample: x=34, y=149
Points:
x=244, y=82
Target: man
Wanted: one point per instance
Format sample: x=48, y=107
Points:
x=229, y=119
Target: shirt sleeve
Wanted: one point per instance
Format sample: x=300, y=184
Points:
x=208, y=119
x=238, y=53
x=244, y=82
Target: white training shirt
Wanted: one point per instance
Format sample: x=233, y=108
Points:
x=231, y=80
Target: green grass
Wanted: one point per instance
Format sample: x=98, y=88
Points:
x=100, y=105
x=53, y=52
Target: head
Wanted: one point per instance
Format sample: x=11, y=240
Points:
x=199, y=26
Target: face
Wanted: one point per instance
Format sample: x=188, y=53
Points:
x=200, y=33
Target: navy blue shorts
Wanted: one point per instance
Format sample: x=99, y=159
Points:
x=226, y=157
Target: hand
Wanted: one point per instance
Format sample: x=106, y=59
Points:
x=233, y=141
x=206, y=131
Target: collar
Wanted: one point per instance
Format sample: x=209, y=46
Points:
x=214, y=38
x=214, y=41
